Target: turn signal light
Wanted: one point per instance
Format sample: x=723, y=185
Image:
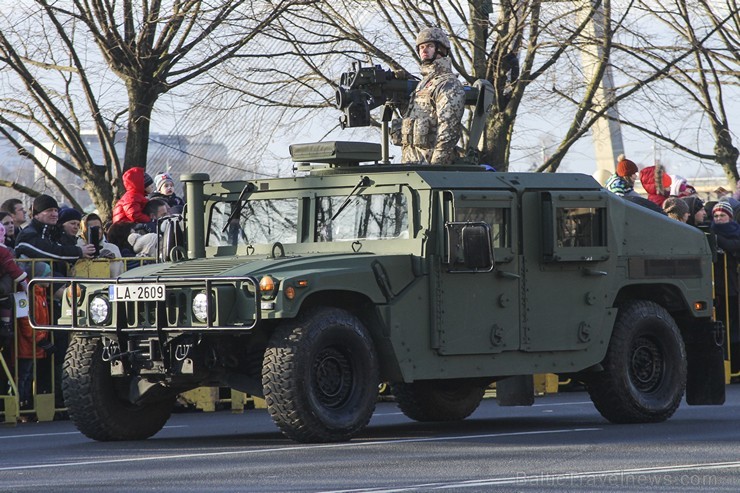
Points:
x=290, y=292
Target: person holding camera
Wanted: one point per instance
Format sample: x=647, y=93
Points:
x=41, y=238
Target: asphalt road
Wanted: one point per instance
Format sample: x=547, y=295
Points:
x=560, y=444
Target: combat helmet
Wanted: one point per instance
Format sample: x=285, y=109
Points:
x=435, y=35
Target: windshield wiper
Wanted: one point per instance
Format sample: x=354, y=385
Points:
x=364, y=181
x=249, y=187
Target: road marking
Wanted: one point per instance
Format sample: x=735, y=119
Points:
x=555, y=479
x=33, y=435
x=294, y=448
x=42, y=435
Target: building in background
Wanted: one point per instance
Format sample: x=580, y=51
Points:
x=176, y=154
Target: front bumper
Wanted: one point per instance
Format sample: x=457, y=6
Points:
x=233, y=304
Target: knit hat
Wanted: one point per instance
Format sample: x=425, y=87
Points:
x=68, y=214
x=161, y=178
x=695, y=204
x=44, y=202
x=675, y=207
x=625, y=167
x=723, y=206
x=148, y=181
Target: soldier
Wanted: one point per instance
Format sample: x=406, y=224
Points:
x=431, y=128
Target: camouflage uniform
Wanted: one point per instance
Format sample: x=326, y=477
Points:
x=432, y=126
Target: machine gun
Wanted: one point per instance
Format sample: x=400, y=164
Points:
x=363, y=89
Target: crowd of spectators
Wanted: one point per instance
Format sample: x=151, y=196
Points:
x=679, y=200
x=49, y=244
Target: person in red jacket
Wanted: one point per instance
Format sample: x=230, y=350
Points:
x=28, y=340
x=656, y=183
x=130, y=207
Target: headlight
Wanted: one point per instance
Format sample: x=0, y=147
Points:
x=200, y=307
x=99, y=309
x=268, y=287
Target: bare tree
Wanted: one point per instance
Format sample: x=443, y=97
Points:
x=529, y=50
x=517, y=48
x=704, y=66
x=148, y=46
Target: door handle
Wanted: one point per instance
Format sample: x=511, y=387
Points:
x=508, y=275
x=595, y=273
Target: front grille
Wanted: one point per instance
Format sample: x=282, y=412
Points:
x=175, y=312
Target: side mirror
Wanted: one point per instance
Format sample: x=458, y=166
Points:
x=469, y=247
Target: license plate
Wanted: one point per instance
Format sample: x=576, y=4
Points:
x=136, y=292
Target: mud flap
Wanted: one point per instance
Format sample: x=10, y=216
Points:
x=705, y=382
x=515, y=391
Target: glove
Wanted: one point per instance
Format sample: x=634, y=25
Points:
x=47, y=346
x=105, y=253
x=141, y=228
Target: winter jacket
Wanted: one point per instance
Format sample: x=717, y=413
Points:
x=39, y=240
x=657, y=190
x=8, y=266
x=130, y=206
x=174, y=202
x=620, y=186
x=26, y=335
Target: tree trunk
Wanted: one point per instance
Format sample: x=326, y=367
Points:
x=496, y=146
x=102, y=194
x=727, y=155
x=142, y=96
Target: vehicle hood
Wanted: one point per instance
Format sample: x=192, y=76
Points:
x=354, y=271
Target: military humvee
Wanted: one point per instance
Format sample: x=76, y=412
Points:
x=311, y=290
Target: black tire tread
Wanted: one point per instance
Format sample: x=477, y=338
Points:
x=284, y=378
x=92, y=403
x=610, y=390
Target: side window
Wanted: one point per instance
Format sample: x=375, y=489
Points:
x=574, y=227
x=580, y=226
x=497, y=219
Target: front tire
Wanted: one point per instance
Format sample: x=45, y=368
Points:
x=320, y=376
x=644, y=375
x=94, y=398
x=438, y=400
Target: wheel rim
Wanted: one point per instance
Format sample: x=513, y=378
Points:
x=646, y=365
x=333, y=377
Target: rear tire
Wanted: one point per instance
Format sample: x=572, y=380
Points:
x=320, y=376
x=94, y=398
x=644, y=375
x=438, y=400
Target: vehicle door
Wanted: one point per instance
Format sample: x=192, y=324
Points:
x=478, y=312
x=567, y=266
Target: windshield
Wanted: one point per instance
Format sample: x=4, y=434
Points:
x=260, y=221
x=265, y=221
x=365, y=217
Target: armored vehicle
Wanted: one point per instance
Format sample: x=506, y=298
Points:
x=310, y=290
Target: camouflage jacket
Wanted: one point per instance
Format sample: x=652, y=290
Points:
x=432, y=126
